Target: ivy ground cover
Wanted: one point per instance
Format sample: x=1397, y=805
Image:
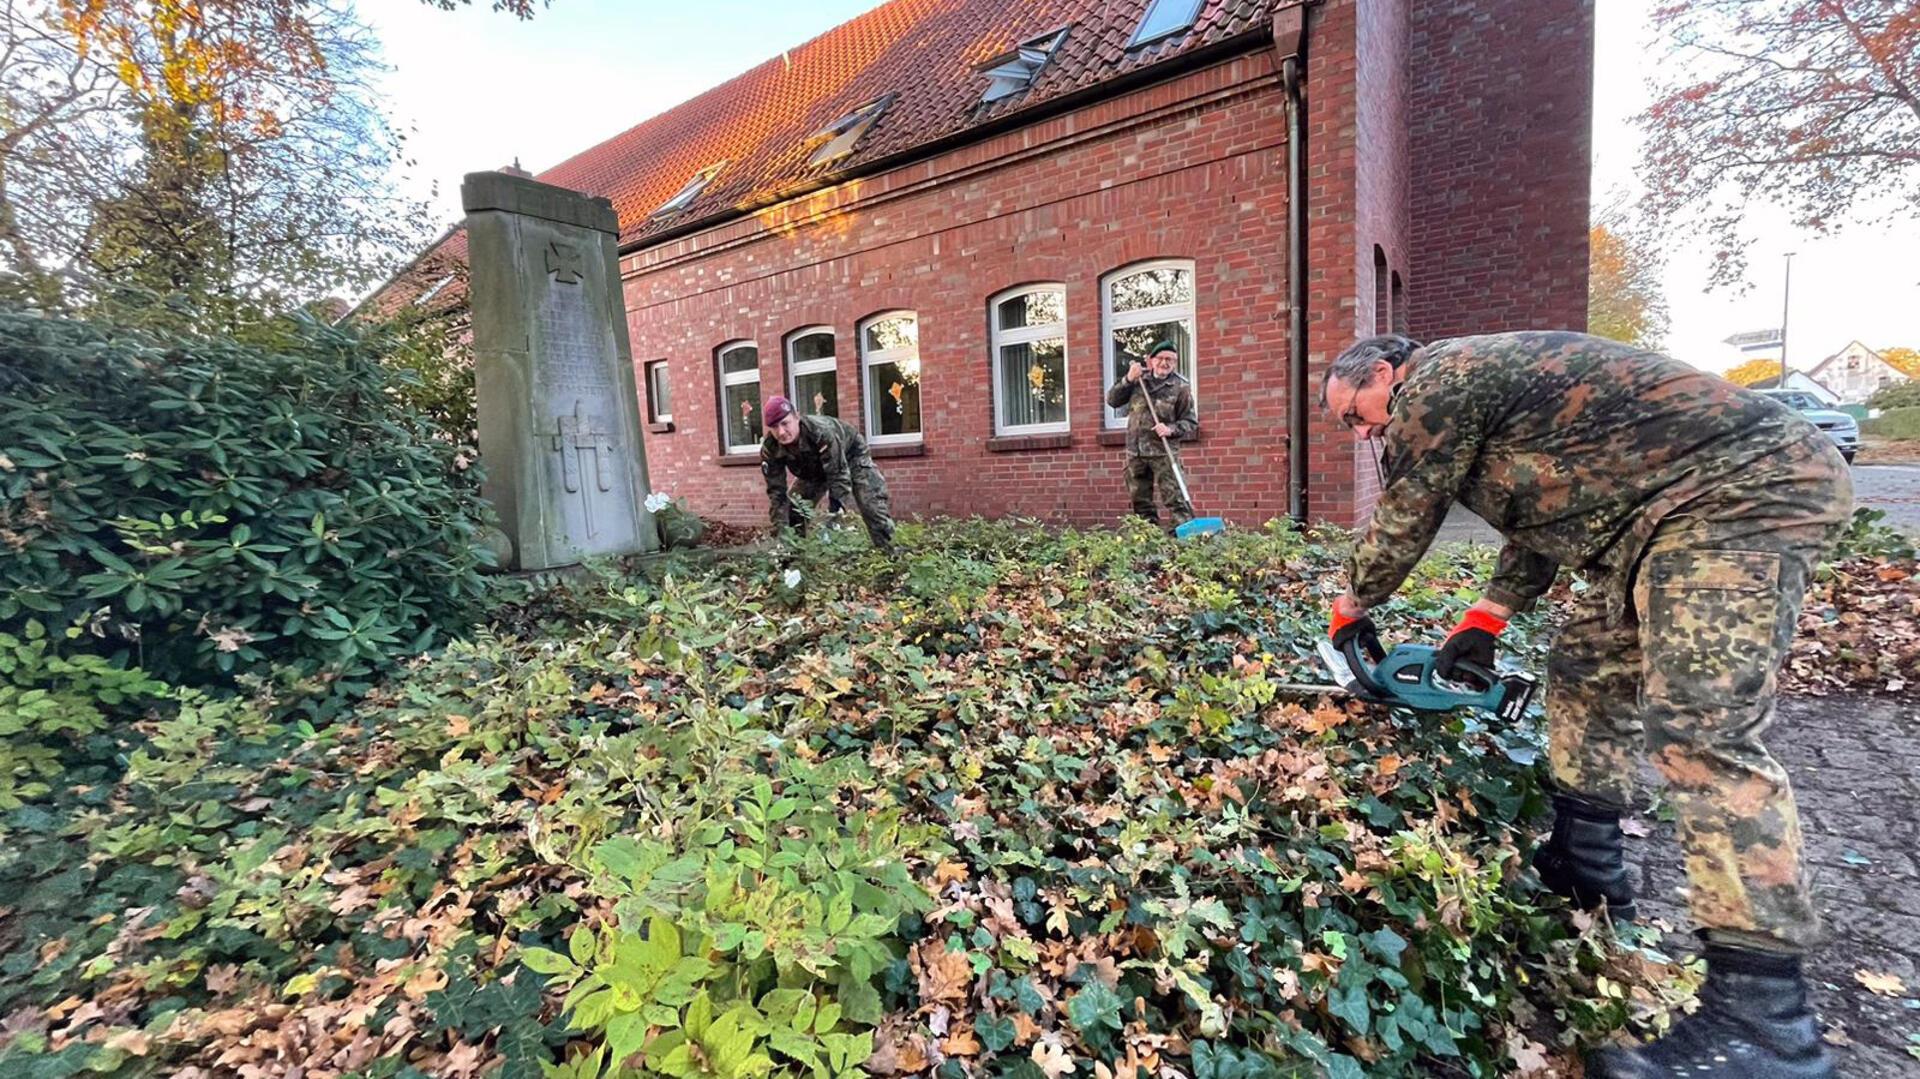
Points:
x=1020, y=803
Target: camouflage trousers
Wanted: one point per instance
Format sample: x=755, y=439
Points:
x=869, y=495
x=1144, y=474
x=1688, y=679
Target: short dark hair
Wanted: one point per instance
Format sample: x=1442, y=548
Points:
x=1355, y=365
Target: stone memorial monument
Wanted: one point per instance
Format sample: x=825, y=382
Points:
x=559, y=414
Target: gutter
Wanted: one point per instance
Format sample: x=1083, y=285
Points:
x=1289, y=43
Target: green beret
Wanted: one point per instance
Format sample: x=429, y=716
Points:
x=1162, y=346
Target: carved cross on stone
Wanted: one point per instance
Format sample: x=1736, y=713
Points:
x=565, y=262
x=574, y=438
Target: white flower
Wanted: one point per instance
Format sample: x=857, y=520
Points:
x=792, y=578
x=658, y=501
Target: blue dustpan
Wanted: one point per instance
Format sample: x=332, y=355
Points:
x=1201, y=526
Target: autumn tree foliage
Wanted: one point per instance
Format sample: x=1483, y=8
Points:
x=1904, y=360
x=1624, y=298
x=1813, y=105
x=195, y=163
x=1753, y=371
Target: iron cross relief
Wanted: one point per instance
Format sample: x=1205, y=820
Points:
x=577, y=436
x=565, y=263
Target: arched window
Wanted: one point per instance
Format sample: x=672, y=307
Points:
x=890, y=376
x=1140, y=306
x=1029, y=341
x=812, y=384
x=1382, y=311
x=739, y=383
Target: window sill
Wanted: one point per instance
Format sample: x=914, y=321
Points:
x=739, y=460
x=661, y=428
x=898, y=449
x=1018, y=443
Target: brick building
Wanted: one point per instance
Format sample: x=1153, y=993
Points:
x=951, y=222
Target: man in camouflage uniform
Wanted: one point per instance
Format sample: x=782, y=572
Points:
x=1698, y=510
x=827, y=457
x=1151, y=453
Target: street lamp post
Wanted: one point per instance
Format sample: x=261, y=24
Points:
x=1786, y=298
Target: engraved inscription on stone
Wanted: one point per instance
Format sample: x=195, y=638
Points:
x=565, y=263
x=576, y=437
x=574, y=347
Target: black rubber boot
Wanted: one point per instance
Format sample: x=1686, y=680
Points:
x=1754, y=1022
x=1582, y=860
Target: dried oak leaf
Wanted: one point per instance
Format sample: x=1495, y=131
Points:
x=1886, y=985
x=961, y=1042
x=1051, y=1058
x=943, y=975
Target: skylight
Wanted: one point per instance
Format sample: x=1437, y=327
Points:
x=433, y=291
x=1010, y=73
x=1165, y=17
x=845, y=133
x=688, y=193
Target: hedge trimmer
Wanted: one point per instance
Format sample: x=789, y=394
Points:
x=1405, y=677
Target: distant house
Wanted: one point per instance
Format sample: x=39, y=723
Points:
x=953, y=223
x=1799, y=380
x=1854, y=373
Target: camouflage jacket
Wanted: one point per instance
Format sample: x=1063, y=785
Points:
x=822, y=454
x=1172, y=398
x=1574, y=448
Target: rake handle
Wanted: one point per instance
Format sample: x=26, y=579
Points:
x=1172, y=461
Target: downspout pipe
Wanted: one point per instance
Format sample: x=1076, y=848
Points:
x=1289, y=40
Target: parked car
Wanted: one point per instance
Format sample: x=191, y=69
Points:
x=1842, y=428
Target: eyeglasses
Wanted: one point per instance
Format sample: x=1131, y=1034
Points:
x=1350, y=419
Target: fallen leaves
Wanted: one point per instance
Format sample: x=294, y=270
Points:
x=1881, y=984
x=943, y=975
x=1859, y=631
x=1051, y=1058
x=1130, y=846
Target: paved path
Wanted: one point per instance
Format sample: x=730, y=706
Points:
x=1855, y=765
x=1893, y=488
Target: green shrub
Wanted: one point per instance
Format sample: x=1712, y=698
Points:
x=1063, y=811
x=1894, y=423
x=1869, y=536
x=206, y=508
x=49, y=706
x=1898, y=395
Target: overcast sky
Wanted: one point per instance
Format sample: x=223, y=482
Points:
x=480, y=89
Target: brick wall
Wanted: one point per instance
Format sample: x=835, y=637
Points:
x=1189, y=169
x=1435, y=133
x=1502, y=118
x=1356, y=94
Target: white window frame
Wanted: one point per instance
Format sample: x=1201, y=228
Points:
x=1173, y=312
x=1047, y=331
x=871, y=358
x=438, y=286
x=1140, y=33
x=653, y=392
x=685, y=196
x=842, y=137
x=823, y=365
x=735, y=378
x=1014, y=71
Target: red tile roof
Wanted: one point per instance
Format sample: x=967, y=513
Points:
x=764, y=123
